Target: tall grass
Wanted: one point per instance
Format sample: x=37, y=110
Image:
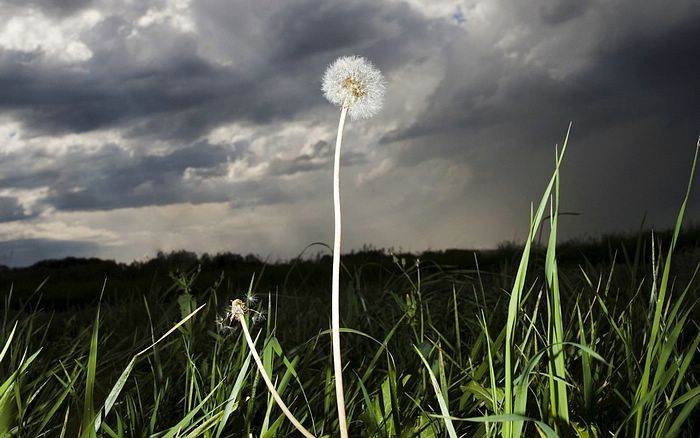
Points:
x=581, y=349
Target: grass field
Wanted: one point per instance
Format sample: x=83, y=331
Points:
x=583, y=339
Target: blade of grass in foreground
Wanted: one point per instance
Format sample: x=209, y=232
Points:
x=121, y=381
x=512, y=418
x=9, y=395
x=89, y=407
x=559, y=405
x=441, y=399
x=643, y=389
x=230, y=405
x=514, y=430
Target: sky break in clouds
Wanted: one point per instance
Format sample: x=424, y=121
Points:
x=132, y=127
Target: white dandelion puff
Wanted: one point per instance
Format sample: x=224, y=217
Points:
x=353, y=82
x=251, y=298
x=258, y=317
x=225, y=324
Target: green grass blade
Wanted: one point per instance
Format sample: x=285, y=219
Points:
x=511, y=418
x=559, y=405
x=508, y=430
x=7, y=343
x=643, y=388
x=689, y=407
x=233, y=397
x=114, y=393
x=441, y=399
x=89, y=403
x=186, y=421
x=585, y=366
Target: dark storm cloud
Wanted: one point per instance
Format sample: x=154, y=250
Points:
x=24, y=252
x=554, y=12
x=496, y=84
x=58, y=99
x=58, y=8
x=630, y=77
x=321, y=157
x=159, y=84
x=11, y=210
x=390, y=32
x=27, y=177
x=112, y=178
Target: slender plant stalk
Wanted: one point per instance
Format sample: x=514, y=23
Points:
x=335, y=287
x=269, y=384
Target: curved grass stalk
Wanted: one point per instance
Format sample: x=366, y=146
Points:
x=268, y=382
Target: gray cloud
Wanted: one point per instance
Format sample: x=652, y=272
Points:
x=555, y=12
x=160, y=84
x=24, y=252
x=321, y=157
x=500, y=85
x=112, y=178
x=12, y=210
x=637, y=75
x=58, y=8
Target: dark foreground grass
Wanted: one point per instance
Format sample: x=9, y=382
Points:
x=60, y=366
x=589, y=348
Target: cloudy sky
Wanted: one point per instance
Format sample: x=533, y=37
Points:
x=128, y=127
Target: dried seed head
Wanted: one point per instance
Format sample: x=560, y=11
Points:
x=238, y=309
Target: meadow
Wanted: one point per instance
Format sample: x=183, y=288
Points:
x=591, y=338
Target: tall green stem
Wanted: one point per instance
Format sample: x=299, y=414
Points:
x=335, y=290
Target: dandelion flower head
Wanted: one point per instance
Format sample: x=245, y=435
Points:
x=353, y=82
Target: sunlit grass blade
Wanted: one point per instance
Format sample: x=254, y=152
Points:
x=186, y=421
x=91, y=370
x=508, y=430
x=121, y=381
x=559, y=405
x=514, y=419
x=440, y=397
x=8, y=396
x=659, y=302
x=233, y=397
x=8, y=341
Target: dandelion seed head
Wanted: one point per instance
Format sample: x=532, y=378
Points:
x=258, y=317
x=223, y=324
x=353, y=82
x=251, y=299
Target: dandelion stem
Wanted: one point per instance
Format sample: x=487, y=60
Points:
x=335, y=288
x=269, y=384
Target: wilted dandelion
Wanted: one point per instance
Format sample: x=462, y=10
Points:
x=237, y=309
x=352, y=83
x=236, y=312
